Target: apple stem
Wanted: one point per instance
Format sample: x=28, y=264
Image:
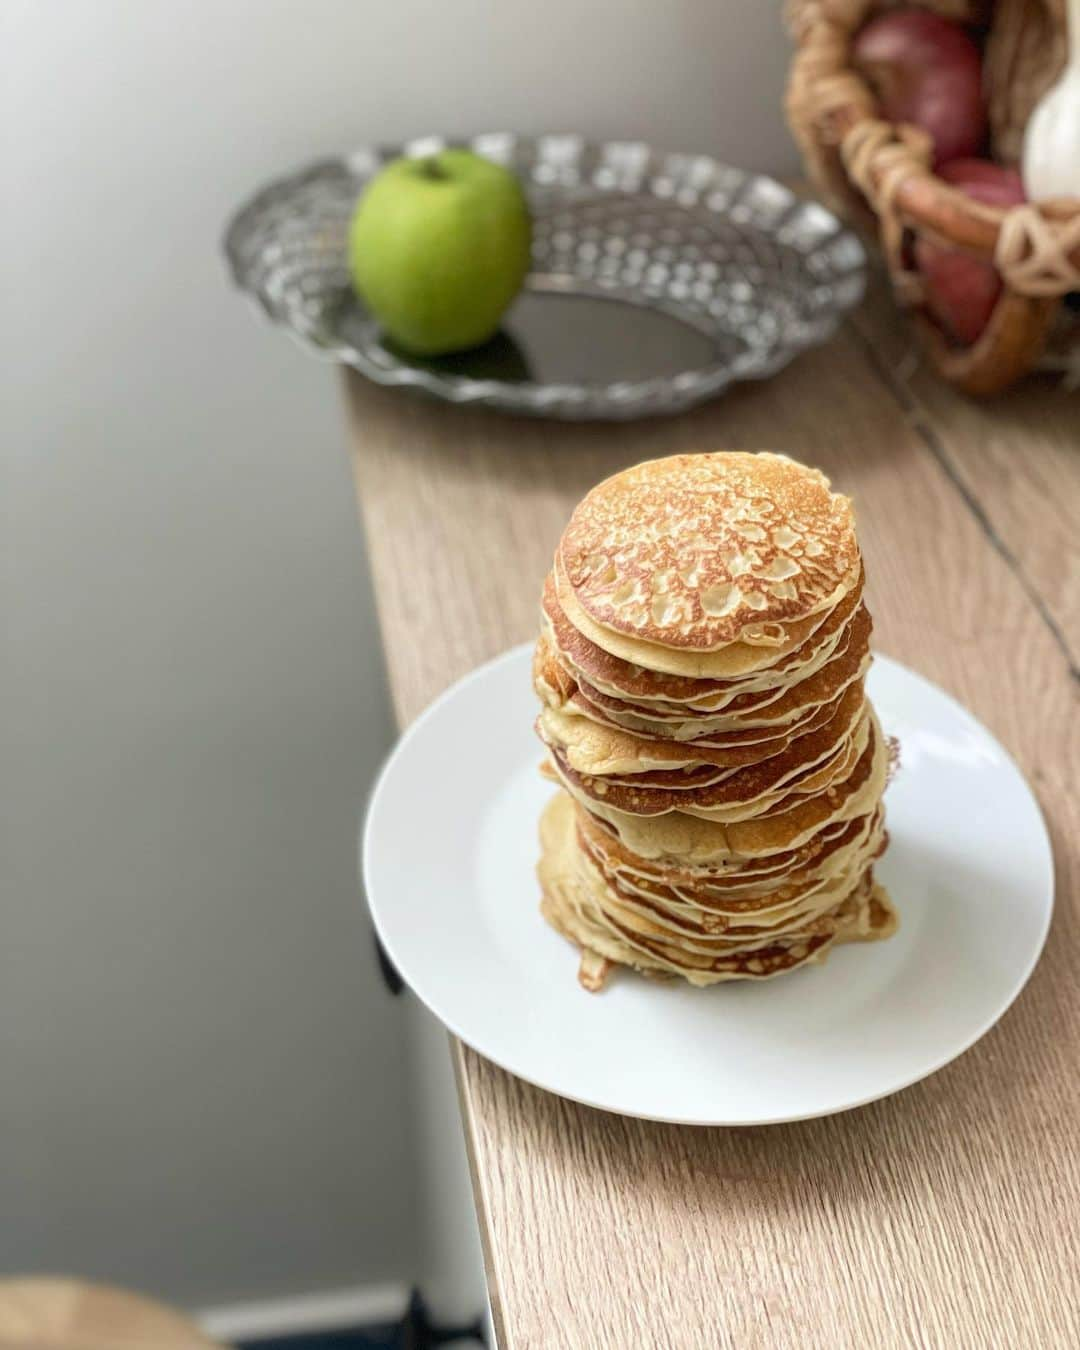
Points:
x=430, y=167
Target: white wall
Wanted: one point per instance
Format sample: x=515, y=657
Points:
x=201, y=1083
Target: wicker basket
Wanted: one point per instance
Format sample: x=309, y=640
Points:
x=880, y=173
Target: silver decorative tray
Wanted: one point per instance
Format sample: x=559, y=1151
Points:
x=657, y=280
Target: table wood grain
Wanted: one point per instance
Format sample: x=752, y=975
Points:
x=948, y=1215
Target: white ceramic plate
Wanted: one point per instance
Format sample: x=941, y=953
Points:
x=449, y=849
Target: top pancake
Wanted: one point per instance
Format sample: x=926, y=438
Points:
x=695, y=552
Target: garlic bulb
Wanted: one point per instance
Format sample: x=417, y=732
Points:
x=1051, y=165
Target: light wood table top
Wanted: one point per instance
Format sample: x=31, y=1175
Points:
x=946, y=1216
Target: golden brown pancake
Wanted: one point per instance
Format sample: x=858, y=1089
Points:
x=704, y=909
x=735, y=660
x=634, y=683
x=624, y=736
x=729, y=734
x=578, y=903
x=766, y=708
x=747, y=783
x=700, y=551
x=680, y=838
x=736, y=885
x=596, y=745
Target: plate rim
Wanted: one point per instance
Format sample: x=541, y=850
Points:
x=522, y=651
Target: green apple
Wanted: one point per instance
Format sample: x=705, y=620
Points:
x=439, y=247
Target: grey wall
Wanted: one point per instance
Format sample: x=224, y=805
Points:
x=201, y=1084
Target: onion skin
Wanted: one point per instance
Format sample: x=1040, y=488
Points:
x=926, y=71
x=961, y=291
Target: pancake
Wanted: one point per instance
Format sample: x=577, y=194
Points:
x=735, y=660
x=792, y=712
x=771, y=708
x=680, y=837
x=635, y=683
x=696, y=552
x=596, y=745
x=748, y=783
x=802, y=710
x=727, y=802
x=736, y=885
x=688, y=940
x=699, y=910
x=577, y=903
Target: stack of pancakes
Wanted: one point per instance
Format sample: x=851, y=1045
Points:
x=701, y=664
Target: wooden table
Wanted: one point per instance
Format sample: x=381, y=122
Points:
x=949, y=1215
